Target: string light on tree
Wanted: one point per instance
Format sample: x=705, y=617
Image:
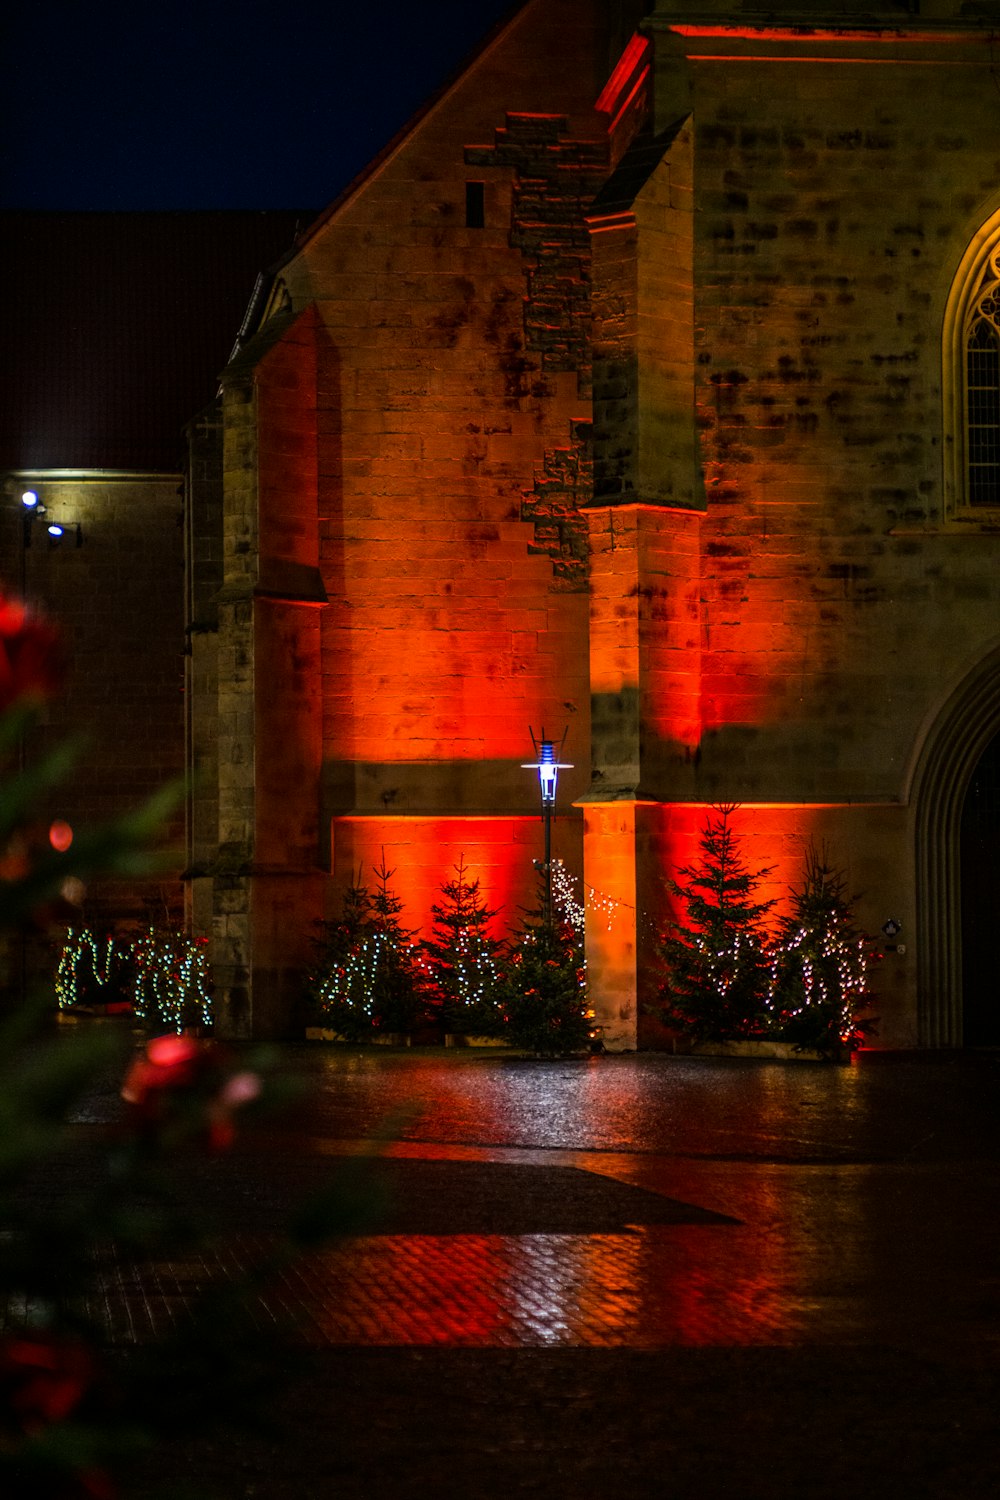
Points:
x=85, y=961
x=164, y=976
x=171, y=979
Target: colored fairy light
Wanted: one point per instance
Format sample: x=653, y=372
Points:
x=60, y=835
x=29, y=499
x=83, y=951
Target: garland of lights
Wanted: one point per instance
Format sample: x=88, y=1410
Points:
x=353, y=981
x=563, y=893
x=475, y=971
x=169, y=974
x=849, y=987
x=170, y=977
x=80, y=949
x=850, y=957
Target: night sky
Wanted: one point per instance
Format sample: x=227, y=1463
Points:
x=215, y=104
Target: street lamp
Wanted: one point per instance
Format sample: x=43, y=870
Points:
x=548, y=769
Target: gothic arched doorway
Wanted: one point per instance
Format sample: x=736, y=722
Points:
x=961, y=748
x=980, y=897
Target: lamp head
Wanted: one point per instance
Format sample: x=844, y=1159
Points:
x=548, y=769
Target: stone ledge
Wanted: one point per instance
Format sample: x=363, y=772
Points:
x=782, y=1051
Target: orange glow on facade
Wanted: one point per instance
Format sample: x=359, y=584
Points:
x=621, y=471
x=442, y=669
x=772, y=836
x=499, y=852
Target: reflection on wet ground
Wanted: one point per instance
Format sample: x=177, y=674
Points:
x=633, y=1202
x=874, y=1110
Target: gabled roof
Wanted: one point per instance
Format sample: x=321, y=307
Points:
x=116, y=326
x=495, y=32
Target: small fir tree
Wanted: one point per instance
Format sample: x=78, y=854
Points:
x=396, y=976
x=336, y=986
x=463, y=959
x=366, y=976
x=545, y=1004
x=716, y=962
x=821, y=966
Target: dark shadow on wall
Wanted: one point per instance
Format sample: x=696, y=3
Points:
x=444, y=789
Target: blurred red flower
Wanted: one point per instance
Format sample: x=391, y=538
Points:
x=43, y=1379
x=31, y=660
x=178, y=1079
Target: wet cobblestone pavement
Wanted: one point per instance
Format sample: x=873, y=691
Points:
x=684, y=1277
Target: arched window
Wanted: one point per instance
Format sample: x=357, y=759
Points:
x=982, y=398
x=971, y=387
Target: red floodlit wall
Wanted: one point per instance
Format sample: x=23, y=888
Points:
x=423, y=853
x=452, y=419
x=861, y=842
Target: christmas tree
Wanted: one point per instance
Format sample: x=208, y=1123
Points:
x=544, y=993
x=463, y=959
x=717, y=974
x=366, y=975
x=821, y=965
x=336, y=985
x=396, y=976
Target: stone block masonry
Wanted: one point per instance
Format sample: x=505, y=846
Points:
x=117, y=601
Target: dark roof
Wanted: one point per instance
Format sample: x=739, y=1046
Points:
x=634, y=170
x=116, y=326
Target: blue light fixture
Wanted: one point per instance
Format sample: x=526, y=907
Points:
x=548, y=769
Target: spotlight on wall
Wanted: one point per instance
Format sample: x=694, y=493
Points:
x=31, y=509
x=56, y=532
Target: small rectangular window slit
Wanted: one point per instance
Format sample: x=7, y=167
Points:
x=475, y=205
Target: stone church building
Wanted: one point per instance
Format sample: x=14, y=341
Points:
x=646, y=388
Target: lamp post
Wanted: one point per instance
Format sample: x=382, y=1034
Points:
x=548, y=769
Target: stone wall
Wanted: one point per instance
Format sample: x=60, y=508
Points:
x=453, y=455
x=836, y=188
x=775, y=604
x=117, y=599
x=204, y=567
